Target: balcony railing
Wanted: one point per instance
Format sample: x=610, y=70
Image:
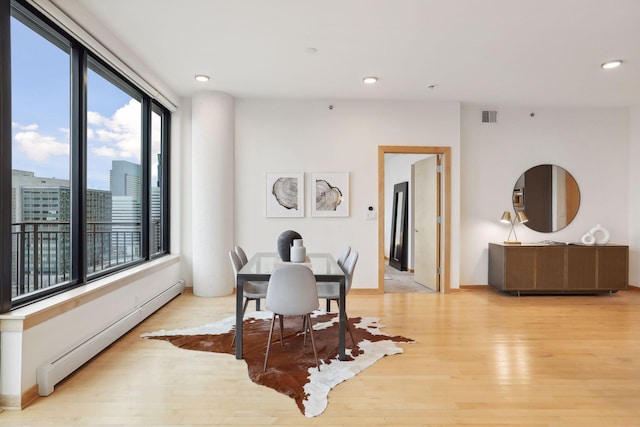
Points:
x=42, y=251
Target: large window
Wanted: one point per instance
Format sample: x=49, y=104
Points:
x=114, y=153
x=88, y=164
x=159, y=131
x=40, y=157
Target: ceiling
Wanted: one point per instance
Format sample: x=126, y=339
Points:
x=490, y=52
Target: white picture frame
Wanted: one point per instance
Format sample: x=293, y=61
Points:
x=284, y=195
x=330, y=194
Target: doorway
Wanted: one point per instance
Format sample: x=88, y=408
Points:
x=384, y=212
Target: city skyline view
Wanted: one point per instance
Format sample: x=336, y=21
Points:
x=87, y=162
x=44, y=128
x=40, y=114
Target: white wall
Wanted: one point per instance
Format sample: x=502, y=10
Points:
x=634, y=196
x=592, y=144
x=306, y=136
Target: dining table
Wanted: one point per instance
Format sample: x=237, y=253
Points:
x=259, y=268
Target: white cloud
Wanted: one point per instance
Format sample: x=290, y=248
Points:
x=95, y=119
x=40, y=147
x=31, y=127
x=104, y=135
x=104, y=152
x=116, y=137
x=119, y=135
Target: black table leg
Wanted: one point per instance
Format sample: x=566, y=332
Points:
x=239, y=294
x=343, y=318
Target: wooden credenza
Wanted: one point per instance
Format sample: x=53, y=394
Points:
x=574, y=268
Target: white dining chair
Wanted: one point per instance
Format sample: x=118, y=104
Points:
x=331, y=291
x=251, y=291
x=292, y=291
x=242, y=255
x=342, y=257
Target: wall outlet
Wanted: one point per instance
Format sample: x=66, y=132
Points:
x=371, y=216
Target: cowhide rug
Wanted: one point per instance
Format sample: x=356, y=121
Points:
x=291, y=369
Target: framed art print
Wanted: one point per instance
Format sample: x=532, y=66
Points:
x=285, y=195
x=330, y=194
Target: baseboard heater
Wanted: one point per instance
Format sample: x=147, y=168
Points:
x=52, y=373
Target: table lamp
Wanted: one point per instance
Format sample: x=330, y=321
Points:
x=506, y=218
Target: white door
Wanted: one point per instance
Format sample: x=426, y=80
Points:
x=426, y=233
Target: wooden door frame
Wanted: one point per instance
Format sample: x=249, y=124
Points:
x=445, y=247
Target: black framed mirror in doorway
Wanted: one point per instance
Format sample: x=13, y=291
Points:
x=399, y=227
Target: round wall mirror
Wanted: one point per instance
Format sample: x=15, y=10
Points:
x=549, y=196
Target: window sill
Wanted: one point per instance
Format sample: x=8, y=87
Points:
x=39, y=312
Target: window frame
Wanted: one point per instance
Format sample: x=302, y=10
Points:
x=165, y=132
x=80, y=57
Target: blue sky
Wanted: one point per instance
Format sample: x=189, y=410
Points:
x=40, y=113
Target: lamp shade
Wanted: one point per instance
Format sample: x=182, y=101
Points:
x=506, y=217
x=521, y=217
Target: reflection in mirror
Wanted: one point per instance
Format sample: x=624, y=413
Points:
x=399, y=247
x=549, y=196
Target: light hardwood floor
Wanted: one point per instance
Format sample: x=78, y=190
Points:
x=481, y=358
x=401, y=281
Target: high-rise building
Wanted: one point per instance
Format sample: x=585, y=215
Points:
x=26, y=179
x=156, y=220
x=126, y=185
x=41, y=218
x=125, y=179
x=41, y=221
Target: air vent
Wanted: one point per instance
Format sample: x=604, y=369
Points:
x=489, y=116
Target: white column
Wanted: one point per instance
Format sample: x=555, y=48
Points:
x=212, y=193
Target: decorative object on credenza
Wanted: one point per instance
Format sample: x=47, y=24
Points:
x=506, y=218
x=588, y=239
x=330, y=194
x=285, y=242
x=598, y=235
x=298, y=251
x=285, y=195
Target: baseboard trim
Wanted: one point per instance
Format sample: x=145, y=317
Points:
x=29, y=396
x=366, y=291
x=49, y=374
x=9, y=402
x=475, y=287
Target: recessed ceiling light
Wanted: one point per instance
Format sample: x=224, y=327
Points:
x=612, y=64
x=370, y=80
x=202, y=78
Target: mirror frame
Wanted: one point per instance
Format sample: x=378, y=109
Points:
x=398, y=252
x=546, y=214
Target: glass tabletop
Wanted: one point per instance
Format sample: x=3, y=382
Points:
x=325, y=269
x=323, y=265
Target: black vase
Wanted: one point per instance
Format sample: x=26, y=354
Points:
x=285, y=241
